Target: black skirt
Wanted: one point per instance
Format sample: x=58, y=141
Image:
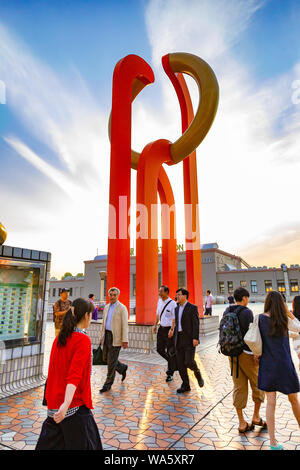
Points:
x=77, y=432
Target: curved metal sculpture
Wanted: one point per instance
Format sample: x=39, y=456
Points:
x=3, y=234
x=195, y=132
x=131, y=75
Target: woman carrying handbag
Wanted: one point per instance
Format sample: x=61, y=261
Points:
x=276, y=369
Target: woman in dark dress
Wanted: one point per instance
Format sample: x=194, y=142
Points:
x=276, y=369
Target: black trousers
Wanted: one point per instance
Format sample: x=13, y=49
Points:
x=164, y=346
x=77, y=432
x=186, y=360
x=111, y=357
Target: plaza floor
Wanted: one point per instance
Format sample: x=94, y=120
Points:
x=145, y=412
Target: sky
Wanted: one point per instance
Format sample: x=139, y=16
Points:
x=56, y=65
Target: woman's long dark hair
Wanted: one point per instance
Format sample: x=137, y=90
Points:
x=274, y=305
x=81, y=307
x=296, y=306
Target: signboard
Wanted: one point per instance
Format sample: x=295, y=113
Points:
x=19, y=288
x=179, y=248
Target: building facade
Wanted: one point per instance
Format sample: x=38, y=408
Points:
x=222, y=272
x=259, y=281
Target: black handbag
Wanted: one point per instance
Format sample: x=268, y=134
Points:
x=98, y=357
x=44, y=402
x=171, y=351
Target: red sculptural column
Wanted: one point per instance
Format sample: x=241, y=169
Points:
x=190, y=184
x=192, y=221
x=148, y=172
x=126, y=72
x=168, y=225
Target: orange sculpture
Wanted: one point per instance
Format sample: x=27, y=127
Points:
x=131, y=75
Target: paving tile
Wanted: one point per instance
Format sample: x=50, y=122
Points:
x=146, y=412
x=8, y=436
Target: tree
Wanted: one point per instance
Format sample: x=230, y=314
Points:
x=79, y=275
x=66, y=275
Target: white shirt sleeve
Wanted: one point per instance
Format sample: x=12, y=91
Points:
x=173, y=305
x=294, y=325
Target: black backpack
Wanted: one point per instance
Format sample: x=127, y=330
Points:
x=231, y=342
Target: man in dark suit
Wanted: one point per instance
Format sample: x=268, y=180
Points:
x=186, y=327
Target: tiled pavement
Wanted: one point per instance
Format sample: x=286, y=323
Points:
x=145, y=412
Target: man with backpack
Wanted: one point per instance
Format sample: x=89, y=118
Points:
x=60, y=308
x=244, y=365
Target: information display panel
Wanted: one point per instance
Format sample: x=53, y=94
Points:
x=21, y=302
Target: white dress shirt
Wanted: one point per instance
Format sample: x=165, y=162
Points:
x=169, y=313
x=180, y=312
x=110, y=313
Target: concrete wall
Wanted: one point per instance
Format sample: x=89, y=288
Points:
x=209, y=268
x=92, y=278
x=209, y=280
x=141, y=337
x=77, y=286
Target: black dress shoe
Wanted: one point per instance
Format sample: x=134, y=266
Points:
x=200, y=380
x=124, y=374
x=183, y=389
x=105, y=388
x=169, y=378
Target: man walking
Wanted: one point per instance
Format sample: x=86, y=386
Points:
x=95, y=310
x=60, y=309
x=186, y=339
x=114, y=335
x=247, y=366
x=165, y=314
x=208, y=303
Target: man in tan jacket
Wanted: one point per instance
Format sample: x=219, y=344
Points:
x=114, y=335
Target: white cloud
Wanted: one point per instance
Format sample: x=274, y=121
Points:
x=206, y=27
x=70, y=213
x=2, y=92
x=245, y=185
x=52, y=173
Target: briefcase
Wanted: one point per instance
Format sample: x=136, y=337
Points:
x=98, y=357
x=172, y=355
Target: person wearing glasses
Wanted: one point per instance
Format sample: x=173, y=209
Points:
x=114, y=336
x=185, y=328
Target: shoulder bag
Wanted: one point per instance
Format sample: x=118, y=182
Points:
x=253, y=337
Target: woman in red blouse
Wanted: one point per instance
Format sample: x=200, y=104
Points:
x=70, y=424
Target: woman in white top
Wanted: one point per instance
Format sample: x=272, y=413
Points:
x=295, y=336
